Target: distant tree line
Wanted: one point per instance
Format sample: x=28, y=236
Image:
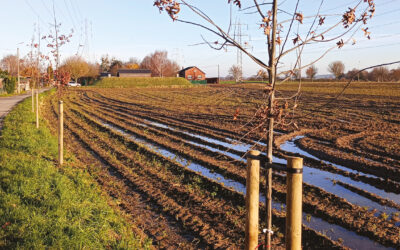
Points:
x=157, y=62
x=337, y=69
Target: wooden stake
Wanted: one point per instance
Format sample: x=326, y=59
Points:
x=294, y=196
x=252, y=199
x=37, y=108
x=61, y=134
x=33, y=100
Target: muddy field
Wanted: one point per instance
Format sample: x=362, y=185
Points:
x=174, y=159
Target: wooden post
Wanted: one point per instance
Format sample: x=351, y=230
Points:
x=37, y=108
x=33, y=100
x=252, y=199
x=61, y=134
x=294, y=196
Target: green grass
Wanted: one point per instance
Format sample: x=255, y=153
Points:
x=355, y=88
x=4, y=94
x=129, y=82
x=45, y=206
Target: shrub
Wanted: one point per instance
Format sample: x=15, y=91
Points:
x=10, y=84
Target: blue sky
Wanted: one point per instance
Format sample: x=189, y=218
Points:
x=134, y=28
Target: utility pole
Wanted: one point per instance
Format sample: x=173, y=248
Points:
x=218, y=73
x=238, y=37
x=38, y=56
x=18, y=89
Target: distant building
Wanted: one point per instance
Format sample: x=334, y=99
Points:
x=134, y=73
x=105, y=74
x=193, y=74
x=212, y=80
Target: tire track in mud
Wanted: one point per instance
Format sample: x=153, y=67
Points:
x=162, y=228
x=307, y=231
x=354, y=176
x=322, y=211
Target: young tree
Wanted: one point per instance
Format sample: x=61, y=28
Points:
x=311, y=72
x=235, y=73
x=337, y=69
x=275, y=110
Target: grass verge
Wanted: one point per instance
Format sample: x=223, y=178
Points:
x=45, y=206
x=4, y=94
x=129, y=82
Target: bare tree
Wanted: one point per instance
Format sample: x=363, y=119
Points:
x=159, y=64
x=311, y=72
x=275, y=109
x=337, y=69
x=263, y=74
x=395, y=74
x=235, y=72
x=380, y=74
x=9, y=63
x=105, y=63
x=115, y=65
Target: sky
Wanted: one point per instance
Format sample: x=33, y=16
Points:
x=135, y=28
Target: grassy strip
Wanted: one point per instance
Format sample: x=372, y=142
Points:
x=4, y=94
x=129, y=82
x=44, y=206
x=356, y=88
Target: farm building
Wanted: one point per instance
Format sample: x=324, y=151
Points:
x=134, y=73
x=193, y=74
x=212, y=80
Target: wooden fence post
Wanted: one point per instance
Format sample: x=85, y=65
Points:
x=33, y=100
x=252, y=199
x=294, y=196
x=37, y=108
x=61, y=134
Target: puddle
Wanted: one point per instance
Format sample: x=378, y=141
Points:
x=290, y=146
x=313, y=176
x=335, y=232
x=319, y=178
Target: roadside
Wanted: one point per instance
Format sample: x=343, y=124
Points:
x=7, y=103
x=43, y=205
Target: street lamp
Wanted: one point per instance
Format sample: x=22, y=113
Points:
x=18, y=89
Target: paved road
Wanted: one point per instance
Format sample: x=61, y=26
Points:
x=7, y=103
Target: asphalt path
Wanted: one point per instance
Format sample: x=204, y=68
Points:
x=8, y=103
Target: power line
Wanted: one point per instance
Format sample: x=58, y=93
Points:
x=352, y=49
x=69, y=14
x=35, y=12
x=76, y=9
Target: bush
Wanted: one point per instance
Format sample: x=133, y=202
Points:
x=9, y=84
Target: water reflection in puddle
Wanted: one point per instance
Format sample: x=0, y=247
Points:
x=313, y=176
x=335, y=232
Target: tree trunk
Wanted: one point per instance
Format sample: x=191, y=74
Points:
x=270, y=136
